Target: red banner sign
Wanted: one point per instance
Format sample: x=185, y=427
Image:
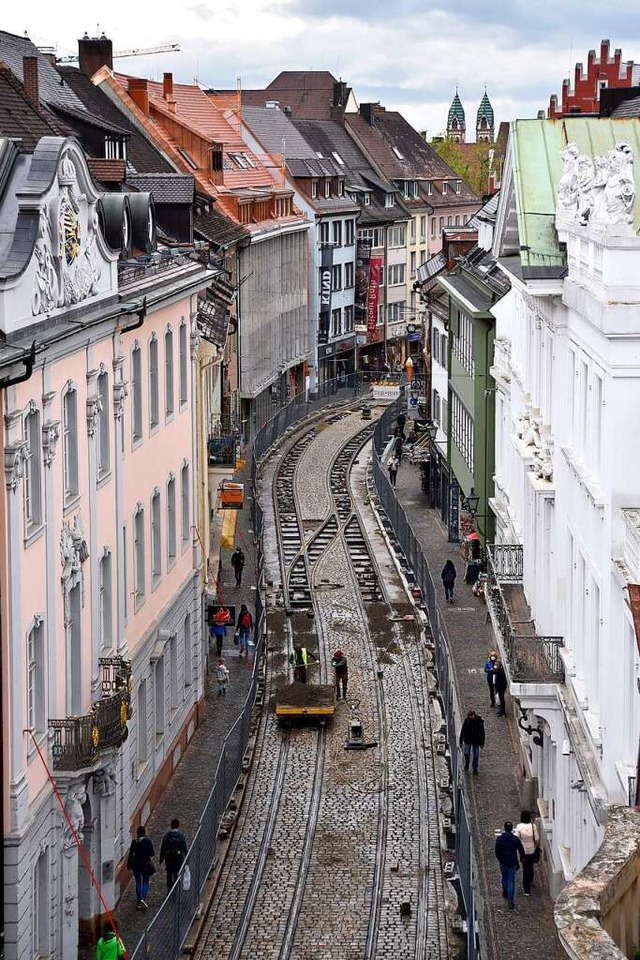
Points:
x=373, y=295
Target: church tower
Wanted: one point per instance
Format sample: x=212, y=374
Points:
x=456, y=126
x=485, y=128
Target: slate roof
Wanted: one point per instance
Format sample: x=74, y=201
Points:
x=19, y=119
x=52, y=88
x=307, y=93
x=628, y=108
x=486, y=212
x=419, y=160
x=141, y=153
x=327, y=136
x=166, y=188
x=220, y=230
x=433, y=265
x=272, y=127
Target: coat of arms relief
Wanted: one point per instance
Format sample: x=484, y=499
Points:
x=68, y=267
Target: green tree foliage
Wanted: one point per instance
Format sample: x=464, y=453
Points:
x=471, y=161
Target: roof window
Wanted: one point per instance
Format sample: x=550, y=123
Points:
x=338, y=159
x=187, y=158
x=397, y=153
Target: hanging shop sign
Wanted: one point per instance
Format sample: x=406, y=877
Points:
x=326, y=268
x=363, y=259
x=375, y=268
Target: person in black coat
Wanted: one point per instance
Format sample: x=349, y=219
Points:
x=139, y=861
x=401, y=420
x=509, y=850
x=471, y=739
x=448, y=577
x=501, y=683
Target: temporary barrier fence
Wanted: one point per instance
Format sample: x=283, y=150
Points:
x=410, y=547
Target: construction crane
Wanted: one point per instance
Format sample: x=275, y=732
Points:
x=136, y=52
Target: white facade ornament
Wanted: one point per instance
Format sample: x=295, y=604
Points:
x=94, y=409
x=120, y=391
x=599, y=190
x=15, y=455
x=544, y=466
x=76, y=797
x=73, y=547
x=50, y=437
x=68, y=267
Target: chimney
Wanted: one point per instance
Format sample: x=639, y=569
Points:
x=95, y=52
x=139, y=93
x=367, y=111
x=30, y=79
x=167, y=86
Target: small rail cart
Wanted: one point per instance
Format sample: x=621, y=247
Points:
x=305, y=703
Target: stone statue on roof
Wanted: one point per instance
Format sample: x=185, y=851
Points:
x=567, y=193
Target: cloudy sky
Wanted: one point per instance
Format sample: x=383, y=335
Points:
x=408, y=54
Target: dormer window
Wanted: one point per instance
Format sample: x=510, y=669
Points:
x=327, y=188
x=115, y=148
x=429, y=189
x=341, y=188
x=458, y=186
x=367, y=199
x=389, y=200
x=444, y=188
x=314, y=189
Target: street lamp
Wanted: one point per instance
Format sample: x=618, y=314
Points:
x=471, y=503
x=431, y=431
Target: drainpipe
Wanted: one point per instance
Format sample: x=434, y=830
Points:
x=28, y=360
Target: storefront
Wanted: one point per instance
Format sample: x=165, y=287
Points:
x=337, y=360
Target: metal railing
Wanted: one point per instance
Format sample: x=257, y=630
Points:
x=79, y=741
x=531, y=659
x=448, y=691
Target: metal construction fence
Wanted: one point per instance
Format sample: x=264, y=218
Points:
x=412, y=550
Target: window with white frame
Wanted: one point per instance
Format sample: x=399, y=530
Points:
x=350, y=229
x=314, y=189
x=389, y=200
x=168, y=373
x=341, y=188
x=143, y=723
x=136, y=393
x=435, y=406
x=337, y=233
x=396, y=274
x=444, y=349
x=461, y=428
x=32, y=471
x=449, y=221
x=457, y=221
x=125, y=573
x=435, y=348
x=36, y=706
x=396, y=311
x=184, y=361
x=441, y=223
x=188, y=651
x=444, y=188
x=348, y=318
x=324, y=231
x=336, y=276
x=412, y=229
x=103, y=426
x=171, y=520
x=138, y=556
x=433, y=227
x=327, y=188
x=423, y=229
x=444, y=415
x=185, y=497
x=372, y=235
x=336, y=320
x=458, y=186
x=156, y=538
x=414, y=261
x=429, y=188
x=154, y=387
x=159, y=697
x=173, y=672
x=348, y=275
x=462, y=342
x=366, y=199
x=105, y=601
x=397, y=236
x=70, y=443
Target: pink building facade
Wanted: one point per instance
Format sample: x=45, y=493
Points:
x=102, y=650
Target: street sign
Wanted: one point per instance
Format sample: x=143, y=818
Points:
x=413, y=401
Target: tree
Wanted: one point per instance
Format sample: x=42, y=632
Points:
x=471, y=161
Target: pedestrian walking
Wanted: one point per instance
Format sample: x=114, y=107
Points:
x=109, y=946
x=401, y=420
x=397, y=448
x=299, y=660
x=237, y=562
x=219, y=628
x=527, y=833
x=490, y=673
x=501, y=684
x=173, y=852
x=392, y=467
x=448, y=577
x=222, y=676
x=244, y=626
x=339, y=664
x=508, y=850
x=140, y=862
x=471, y=739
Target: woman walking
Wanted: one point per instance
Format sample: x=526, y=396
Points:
x=244, y=627
x=528, y=834
x=140, y=862
x=392, y=467
x=448, y=577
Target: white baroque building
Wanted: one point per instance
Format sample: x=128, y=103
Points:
x=567, y=502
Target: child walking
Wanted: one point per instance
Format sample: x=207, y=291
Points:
x=222, y=676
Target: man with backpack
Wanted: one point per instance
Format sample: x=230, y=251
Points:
x=173, y=852
x=237, y=562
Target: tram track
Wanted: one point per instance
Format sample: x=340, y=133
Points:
x=303, y=783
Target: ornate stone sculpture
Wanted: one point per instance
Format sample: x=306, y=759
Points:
x=46, y=287
x=544, y=468
x=94, y=409
x=601, y=190
x=76, y=797
x=15, y=455
x=50, y=437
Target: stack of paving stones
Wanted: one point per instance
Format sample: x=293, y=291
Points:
x=188, y=790
x=529, y=931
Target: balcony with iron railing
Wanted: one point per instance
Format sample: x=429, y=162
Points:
x=78, y=741
x=531, y=658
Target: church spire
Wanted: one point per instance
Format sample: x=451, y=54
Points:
x=485, y=126
x=456, y=124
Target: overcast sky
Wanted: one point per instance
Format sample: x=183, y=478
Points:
x=408, y=54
